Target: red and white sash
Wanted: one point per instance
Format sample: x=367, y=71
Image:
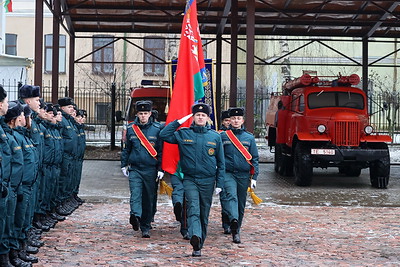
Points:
x=143, y=140
x=246, y=154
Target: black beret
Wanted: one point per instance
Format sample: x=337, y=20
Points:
x=65, y=101
x=201, y=107
x=236, y=112
x=27, y=91
x=14, y=110
x=3, y=93
x=27, y=110
x=49, y=107
x=224, y=114
x=143, y=105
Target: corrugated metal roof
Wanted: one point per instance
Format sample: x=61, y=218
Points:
x=272, y=17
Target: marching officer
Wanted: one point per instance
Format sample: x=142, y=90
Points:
x=241, y=157
x=203, y=166
x=225, y=122
x=141, y=162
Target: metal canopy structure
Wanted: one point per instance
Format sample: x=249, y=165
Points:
x=250, y=18
x=271, y=17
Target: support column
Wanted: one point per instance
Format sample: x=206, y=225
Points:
x=56, y=52
x=218, y=78
x=38, y=67
x=71, y=78
x=250, y=29
x=234, y=57
x=365, y=64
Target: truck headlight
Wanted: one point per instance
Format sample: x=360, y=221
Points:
x=321, y=128
x=368, y=129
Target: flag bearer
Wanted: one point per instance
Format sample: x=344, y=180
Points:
x=141, y=162
x=241, y=157
x=203, y=165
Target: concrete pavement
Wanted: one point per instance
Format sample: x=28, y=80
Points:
x=273, y=234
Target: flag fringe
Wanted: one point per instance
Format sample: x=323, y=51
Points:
x=254, y=197
x=165, y=188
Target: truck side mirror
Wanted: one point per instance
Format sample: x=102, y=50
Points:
x=385, y=106
x=118, y=116
x=280, y=104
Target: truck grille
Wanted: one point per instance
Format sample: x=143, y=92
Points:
x=347, y=133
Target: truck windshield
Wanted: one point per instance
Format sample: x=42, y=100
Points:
x=335, y=99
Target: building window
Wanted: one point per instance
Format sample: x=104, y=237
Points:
x=11, y=44
x=103, y=59
x=204, y=42
x=48, y=53
x=102, y=109
x=155, y=47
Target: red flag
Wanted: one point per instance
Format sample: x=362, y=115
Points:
x=189, y=81
x=8, y=5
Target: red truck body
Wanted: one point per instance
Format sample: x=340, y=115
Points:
x=316, y=123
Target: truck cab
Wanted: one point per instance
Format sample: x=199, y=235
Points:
x=325, y=123
x=159, y=95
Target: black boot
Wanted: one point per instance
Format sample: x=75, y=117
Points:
x=33, y=242
x=134, y=221
x=56, y=216
x=24, y=253
x=16, y=261
x=37, y=223
x=178, y=211
x=5, y=261
x=78, y=199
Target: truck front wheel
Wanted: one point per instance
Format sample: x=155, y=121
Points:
x=302, y=165
x=379, y=172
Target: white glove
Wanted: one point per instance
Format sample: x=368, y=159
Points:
x=217, y=191
x=181, y=121
x=160, y=175
x=125, y=171
x=253, y=184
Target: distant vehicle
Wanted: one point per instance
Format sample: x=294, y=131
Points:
x=325, y=123
x=160, y=96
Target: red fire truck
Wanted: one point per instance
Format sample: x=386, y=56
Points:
x=158, y=94
x=317, y=122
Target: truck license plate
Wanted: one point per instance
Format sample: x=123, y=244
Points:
x=316, y=151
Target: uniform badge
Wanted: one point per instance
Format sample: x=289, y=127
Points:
x=211, y=151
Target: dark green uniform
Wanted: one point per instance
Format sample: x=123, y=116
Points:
x=222, y=196
x=58, y=151
x=16, y=161
x=6, y=157
x=142, y=171
x=80, y=155
x=203, y=165
x=237, y=176
x=25, y=190
x=69, y=134
x=49, y=157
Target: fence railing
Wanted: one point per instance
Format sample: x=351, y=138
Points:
x=96, y=99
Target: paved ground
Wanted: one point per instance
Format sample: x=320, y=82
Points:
x=293, y=227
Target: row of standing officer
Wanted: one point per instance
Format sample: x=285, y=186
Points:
x=208, y=160
x=39, y=179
